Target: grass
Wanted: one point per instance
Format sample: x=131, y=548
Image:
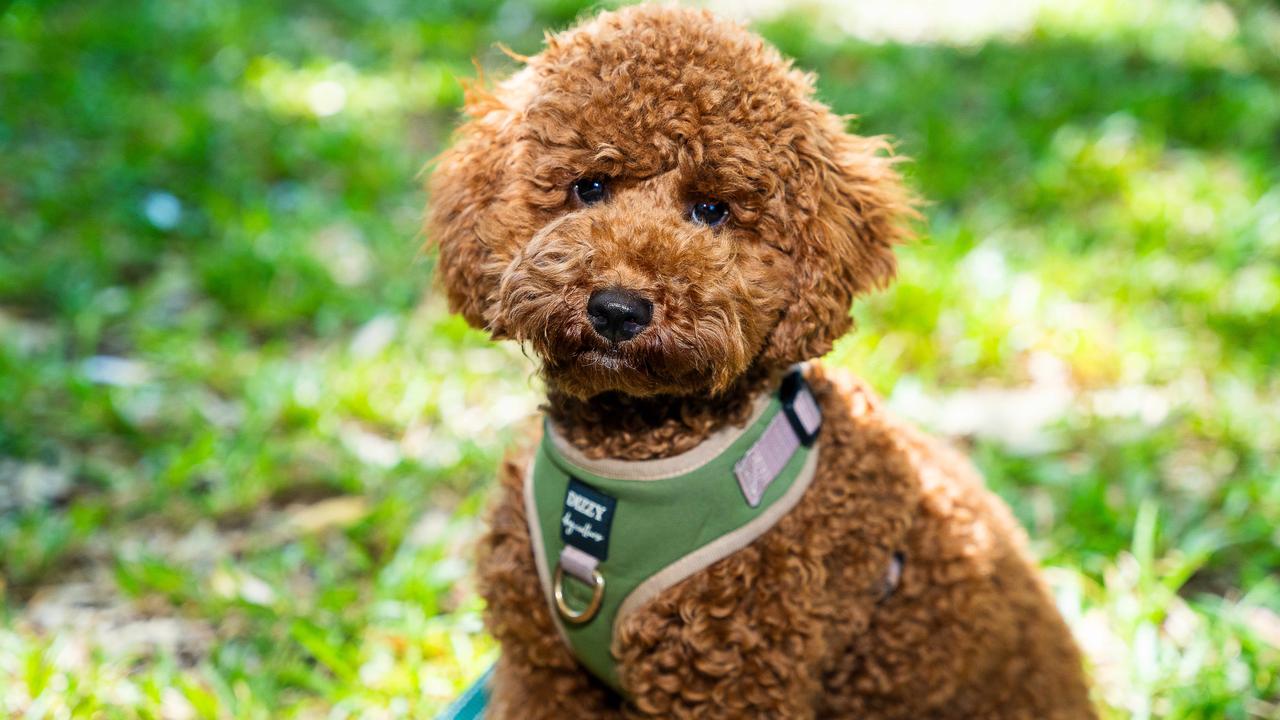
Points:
x=241, y=458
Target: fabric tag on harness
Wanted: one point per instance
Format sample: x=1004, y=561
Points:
x=588, y=519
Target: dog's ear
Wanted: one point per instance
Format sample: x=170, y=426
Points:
x=850, y=210
x=467, y=217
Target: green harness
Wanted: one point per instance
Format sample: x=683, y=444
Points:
x=610, y=535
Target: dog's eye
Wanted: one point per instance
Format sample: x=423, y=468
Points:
x=590, y=191
x=709, y=212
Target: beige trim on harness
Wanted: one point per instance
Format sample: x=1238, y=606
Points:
x=660, y=468
x=723, y=546
x=539, y=549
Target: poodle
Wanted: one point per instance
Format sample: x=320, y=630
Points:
x=658, y=207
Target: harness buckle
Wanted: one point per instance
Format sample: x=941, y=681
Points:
x=795, y=390
x=575, y=617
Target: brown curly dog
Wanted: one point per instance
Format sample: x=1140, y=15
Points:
x=675, y=162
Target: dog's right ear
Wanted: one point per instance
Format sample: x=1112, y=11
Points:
x=467, y=218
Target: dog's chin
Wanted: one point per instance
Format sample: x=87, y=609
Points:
x=594, y=371
x=659, y=361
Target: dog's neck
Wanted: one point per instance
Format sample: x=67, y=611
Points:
x=623, y=427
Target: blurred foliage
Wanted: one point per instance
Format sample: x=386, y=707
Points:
x=225, y=406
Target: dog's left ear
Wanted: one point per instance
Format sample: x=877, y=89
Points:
x=850, y=209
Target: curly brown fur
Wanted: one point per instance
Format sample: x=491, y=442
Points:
x=672, y=107
x=621, y=426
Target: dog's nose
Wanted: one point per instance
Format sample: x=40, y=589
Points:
x=618, y=315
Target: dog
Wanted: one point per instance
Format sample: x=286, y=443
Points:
x=657, y=206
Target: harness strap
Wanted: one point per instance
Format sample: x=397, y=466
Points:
x=892, y=576
x=578, y=563
x=799, y=421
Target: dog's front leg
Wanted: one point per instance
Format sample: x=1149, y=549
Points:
x=536, y=676
x=730, y=642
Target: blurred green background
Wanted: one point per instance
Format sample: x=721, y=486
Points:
x=243, y=448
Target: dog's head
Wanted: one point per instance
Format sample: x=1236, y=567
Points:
x=657, y=204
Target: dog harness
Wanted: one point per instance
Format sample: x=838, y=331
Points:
x=610, y=535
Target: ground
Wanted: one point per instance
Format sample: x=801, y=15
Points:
x=243, y=447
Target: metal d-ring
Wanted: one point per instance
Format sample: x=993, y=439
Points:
x=569, y=614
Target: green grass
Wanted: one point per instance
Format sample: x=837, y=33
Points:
x=242, y=459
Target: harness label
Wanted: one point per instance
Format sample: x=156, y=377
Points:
x=587, y=519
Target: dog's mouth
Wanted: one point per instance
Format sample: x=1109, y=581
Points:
x=637, y=366
x=608, y=360
x=600, y=327
x=662, y=358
